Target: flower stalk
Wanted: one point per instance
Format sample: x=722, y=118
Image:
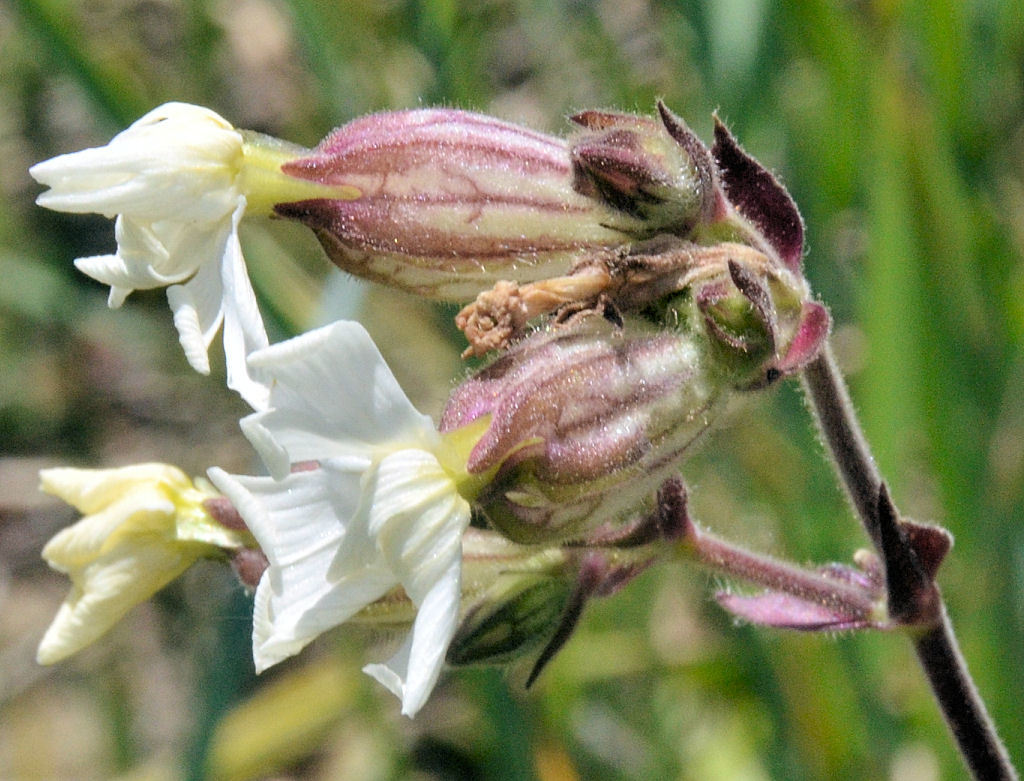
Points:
x=937, y=649
x=832, y=598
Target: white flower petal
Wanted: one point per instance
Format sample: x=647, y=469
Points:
x=143, y=249
x=117, y=296
x=283, y=625
x=177, y=162
x=417, y=517
x=111, y=270
x=165, y=252
x=172, y=179
x=295, y=518
x=275, y=456
x=198, y=308
x=142, y=258
x=358, y=547
x=243, y=327
x=379, y=511
x=432, y=634
x=332, y=394
x=158, y=254
x=298, y=523
x=220, y=293
x=412, y=673
x=392, y=673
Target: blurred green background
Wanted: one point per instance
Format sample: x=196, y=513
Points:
x=899, y=128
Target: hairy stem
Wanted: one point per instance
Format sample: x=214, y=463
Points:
x=936, y=646
x=851, y=455
x=721, y=556
x=961, y=704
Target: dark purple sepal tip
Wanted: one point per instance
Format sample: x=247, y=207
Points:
x=931, y=544
x=703, y=162
x=759, y=197
x=597, y=577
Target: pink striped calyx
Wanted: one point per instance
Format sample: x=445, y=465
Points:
x=583, y=420
x=451, y=202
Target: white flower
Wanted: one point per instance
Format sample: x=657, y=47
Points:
x=172, y=180
x=144, y=525
x=377, y=511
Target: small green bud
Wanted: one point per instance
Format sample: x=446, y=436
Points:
x=516, y=615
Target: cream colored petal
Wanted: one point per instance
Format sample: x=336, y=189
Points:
x=138, y=511
x=106, y=590
x=90, y=490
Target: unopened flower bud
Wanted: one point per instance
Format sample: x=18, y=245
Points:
x=586, y=419
x=451, y=202
x=585, y=422
x=757, y=316
x=514, y=617
x=535, y=596
x=656, y=170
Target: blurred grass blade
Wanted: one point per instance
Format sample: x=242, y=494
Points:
x=60, y=35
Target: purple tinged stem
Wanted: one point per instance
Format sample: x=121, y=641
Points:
x=839, y=596
x=722, y=556
x=858, y=473
x=962, y=706
x=936, y=645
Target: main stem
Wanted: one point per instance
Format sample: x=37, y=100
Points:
x=851, y=455
x=936, y=646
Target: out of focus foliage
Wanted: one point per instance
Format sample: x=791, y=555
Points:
x=899, y=128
